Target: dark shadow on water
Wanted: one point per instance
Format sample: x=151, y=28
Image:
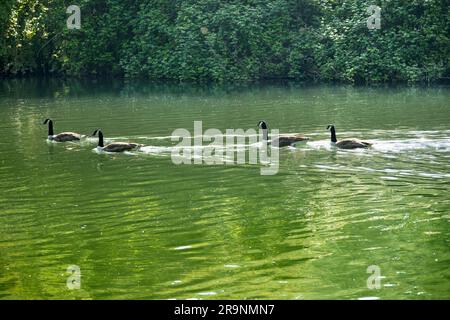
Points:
x=41, y=87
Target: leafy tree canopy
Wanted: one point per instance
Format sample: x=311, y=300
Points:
x=228, y=40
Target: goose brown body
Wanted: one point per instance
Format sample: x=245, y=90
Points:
x=353, y=144
x=284, y=141
x=120, y=147
x=66, y=136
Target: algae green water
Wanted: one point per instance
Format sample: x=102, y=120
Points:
x=140, y=227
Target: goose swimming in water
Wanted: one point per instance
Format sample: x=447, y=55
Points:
x=114, y=146
x=347, y=143
x=60, y=137
x=283, y=140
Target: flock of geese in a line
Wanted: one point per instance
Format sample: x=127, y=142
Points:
x=282, y=140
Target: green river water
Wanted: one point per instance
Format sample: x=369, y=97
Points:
x=141, y=227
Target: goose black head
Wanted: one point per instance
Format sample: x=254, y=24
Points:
x=262, y=124
x=50, y=127
x=333, y=132
x=100, y=137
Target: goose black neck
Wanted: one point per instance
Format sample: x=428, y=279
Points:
x=50, y=128
x=100, y=139
x=333, y=134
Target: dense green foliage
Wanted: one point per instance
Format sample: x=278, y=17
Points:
x=212, y=40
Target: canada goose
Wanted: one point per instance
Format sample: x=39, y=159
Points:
x=347, y=143
x=115, y=146
x=283, y=140
x=60, y=137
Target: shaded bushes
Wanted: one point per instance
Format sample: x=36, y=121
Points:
x=211, y=40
